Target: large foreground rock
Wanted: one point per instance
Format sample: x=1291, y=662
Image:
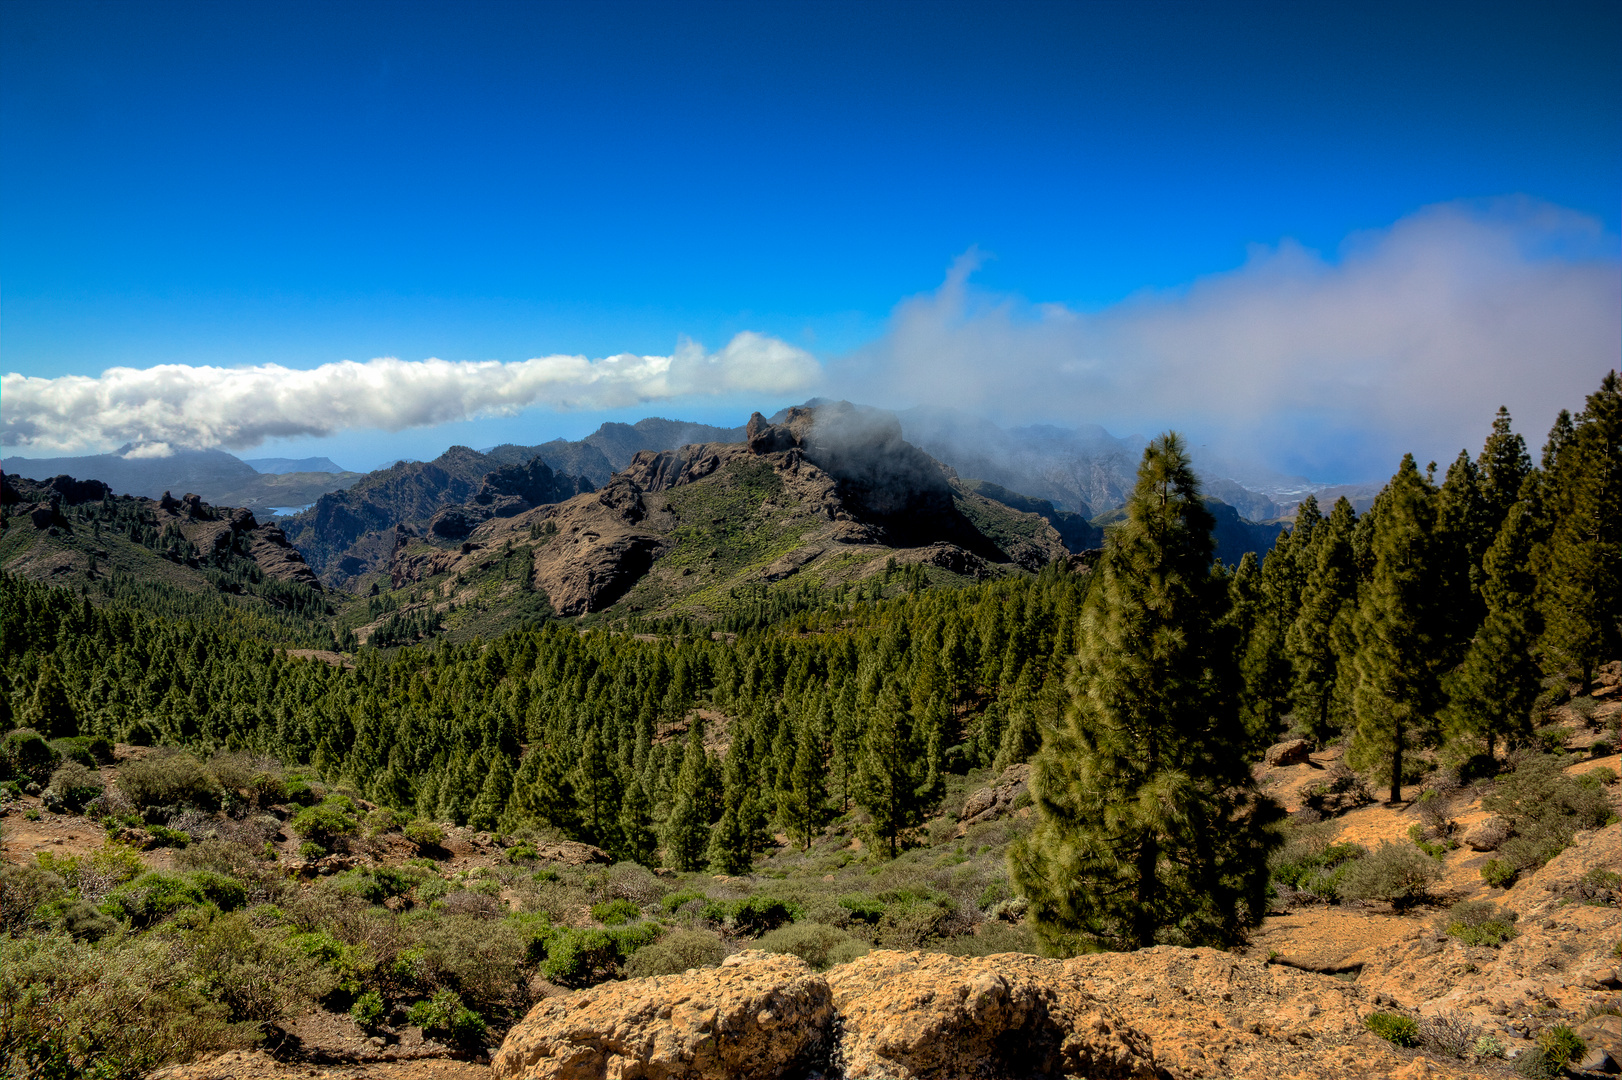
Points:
x=758, y=1015
x=923, y=1015
x=1180, y=1014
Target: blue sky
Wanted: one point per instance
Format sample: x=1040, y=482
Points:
x=232, y=185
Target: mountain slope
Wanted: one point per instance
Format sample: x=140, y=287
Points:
x=828, y=498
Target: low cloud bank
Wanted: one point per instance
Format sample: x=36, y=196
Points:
x=176, y=405
x=1409, y=339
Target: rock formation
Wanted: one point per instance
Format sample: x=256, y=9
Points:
x=1164, y=1012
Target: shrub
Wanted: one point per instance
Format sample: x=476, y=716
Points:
x=73, y=785
x=1400, y=873
x=1544, y=808
x=423, y=833
x=72, y=749
x=1601, y=748
x=26, y=754
x=151, y=897
x=524, y=852
x=382, y=820
x=118, y=1009
x=615, y=912
x=445, y=1016
x=1481, y=922
x=1449, y=1033
x=577, y=957
x=819, y=946
x=1499, y=873
x=759, y=914
x=368, y=1010
x=675, y=953
x=164, y=836
x=225, y=893
x=169, y=779
x=1488, y=1046
x=1556, y=1048
x=863, y=908
x=258, y=973
x=324, y=823
x=674, y=900
x=1394, y=1028
x=1309, y=864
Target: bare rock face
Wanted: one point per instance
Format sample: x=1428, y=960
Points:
x=1292, y=752
x=990, y=803
x=758, y=1015
x=917, y=1015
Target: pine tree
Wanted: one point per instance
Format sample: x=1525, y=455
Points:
x=1501, y=469
x=1398, y=659
x=1149, y=825
x=893, y=777
x=1327, y=603
x=803, y=803
x=686, y=833
x=637, y=840
x=1582, y=588
x=50, y=711
x=1492, y=694
x=493, y=796
x=1460, y=538
x=597, y=787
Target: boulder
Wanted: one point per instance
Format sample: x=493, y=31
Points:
x=1602, y=1037
x=1486, y=835
x=758, y=1015
x=1290, y=752
x=988, y=804
x=915, y=1015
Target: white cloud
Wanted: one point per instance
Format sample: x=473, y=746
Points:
x=177, y=405
x=1409, y=339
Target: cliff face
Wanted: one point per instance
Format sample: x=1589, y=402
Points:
x=350, y=533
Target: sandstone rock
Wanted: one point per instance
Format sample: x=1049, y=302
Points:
x=910, y=1015
x=758, y=1015
x=1486, y=835
x=988, y=804
x=1292, y=752
x=1603, y=1037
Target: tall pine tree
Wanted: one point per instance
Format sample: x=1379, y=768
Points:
x=1398, y=647
x=1317, y=639
x=1150, y=828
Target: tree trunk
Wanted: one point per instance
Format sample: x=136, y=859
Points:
x=1396, y=763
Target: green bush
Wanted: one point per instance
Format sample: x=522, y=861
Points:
x=524, y=852
x=169, y=779
x=615, y=912
x=1399, y=873
x=819, y=946
x=759, y=914
x=444, y=1016
x=1544, y=808
x=1500, y=873
x=1481, y=922
x=1308, y=863
x=863, y=908
x=675, y=953
x=118, y=1009
x=581, y=957
x=225, y=893
x=71, y=749
x=326, y=822
x=151, y=897
x=423, y=833
x=1394, y=1028
x=671, y=901
x=256, y=971
x=1556, y=1047
x=164, y=836
x=368, y=1010
x=26, y=754
x=73, y=785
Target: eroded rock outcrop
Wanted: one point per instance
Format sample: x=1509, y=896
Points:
x=758, y=1015
x=927, y=1015
x=1164, y=1012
